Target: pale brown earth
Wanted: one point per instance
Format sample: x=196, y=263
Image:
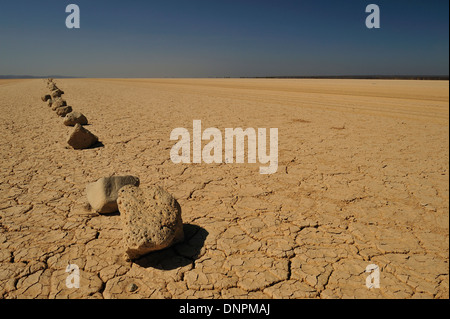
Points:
x=363, y=179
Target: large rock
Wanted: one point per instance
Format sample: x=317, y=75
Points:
x=102, y=195
x=74, y=118
x=63, y=110
x=151, y=220
x=81, y=138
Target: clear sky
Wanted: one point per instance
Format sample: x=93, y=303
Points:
x=220, y=38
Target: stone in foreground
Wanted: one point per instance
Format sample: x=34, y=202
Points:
x=102, y=195
x=151, y=220
x=74, y=118
x=81, y=138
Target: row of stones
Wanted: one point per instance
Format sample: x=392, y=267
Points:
x=80, y=138
x=151, y=217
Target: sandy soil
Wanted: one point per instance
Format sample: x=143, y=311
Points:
x=363, y=179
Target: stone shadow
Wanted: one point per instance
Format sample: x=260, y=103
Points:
x=97, y=145
x=179, y=255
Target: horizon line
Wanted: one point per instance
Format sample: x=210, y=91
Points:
x=361, y=77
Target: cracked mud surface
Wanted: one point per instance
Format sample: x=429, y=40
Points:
x=362, y=179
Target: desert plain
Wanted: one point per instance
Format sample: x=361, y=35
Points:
x=363, y=178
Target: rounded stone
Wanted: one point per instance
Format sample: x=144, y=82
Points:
x=58, y=102
x=102, y=194
x=151, y=219
x=63, y=110
x=74, y=118
x=46, y=97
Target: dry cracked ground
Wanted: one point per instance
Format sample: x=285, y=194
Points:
x=363, y=179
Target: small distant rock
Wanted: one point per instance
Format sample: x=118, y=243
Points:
x=49, y=103
x=102, y=195
x=81, y=138
x=58, y=102
x=151, y=220
x=46, y=97
x=56, y=93
x=63, y=110
x=74, y=118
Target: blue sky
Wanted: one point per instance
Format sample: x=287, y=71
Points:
x=215, y=38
